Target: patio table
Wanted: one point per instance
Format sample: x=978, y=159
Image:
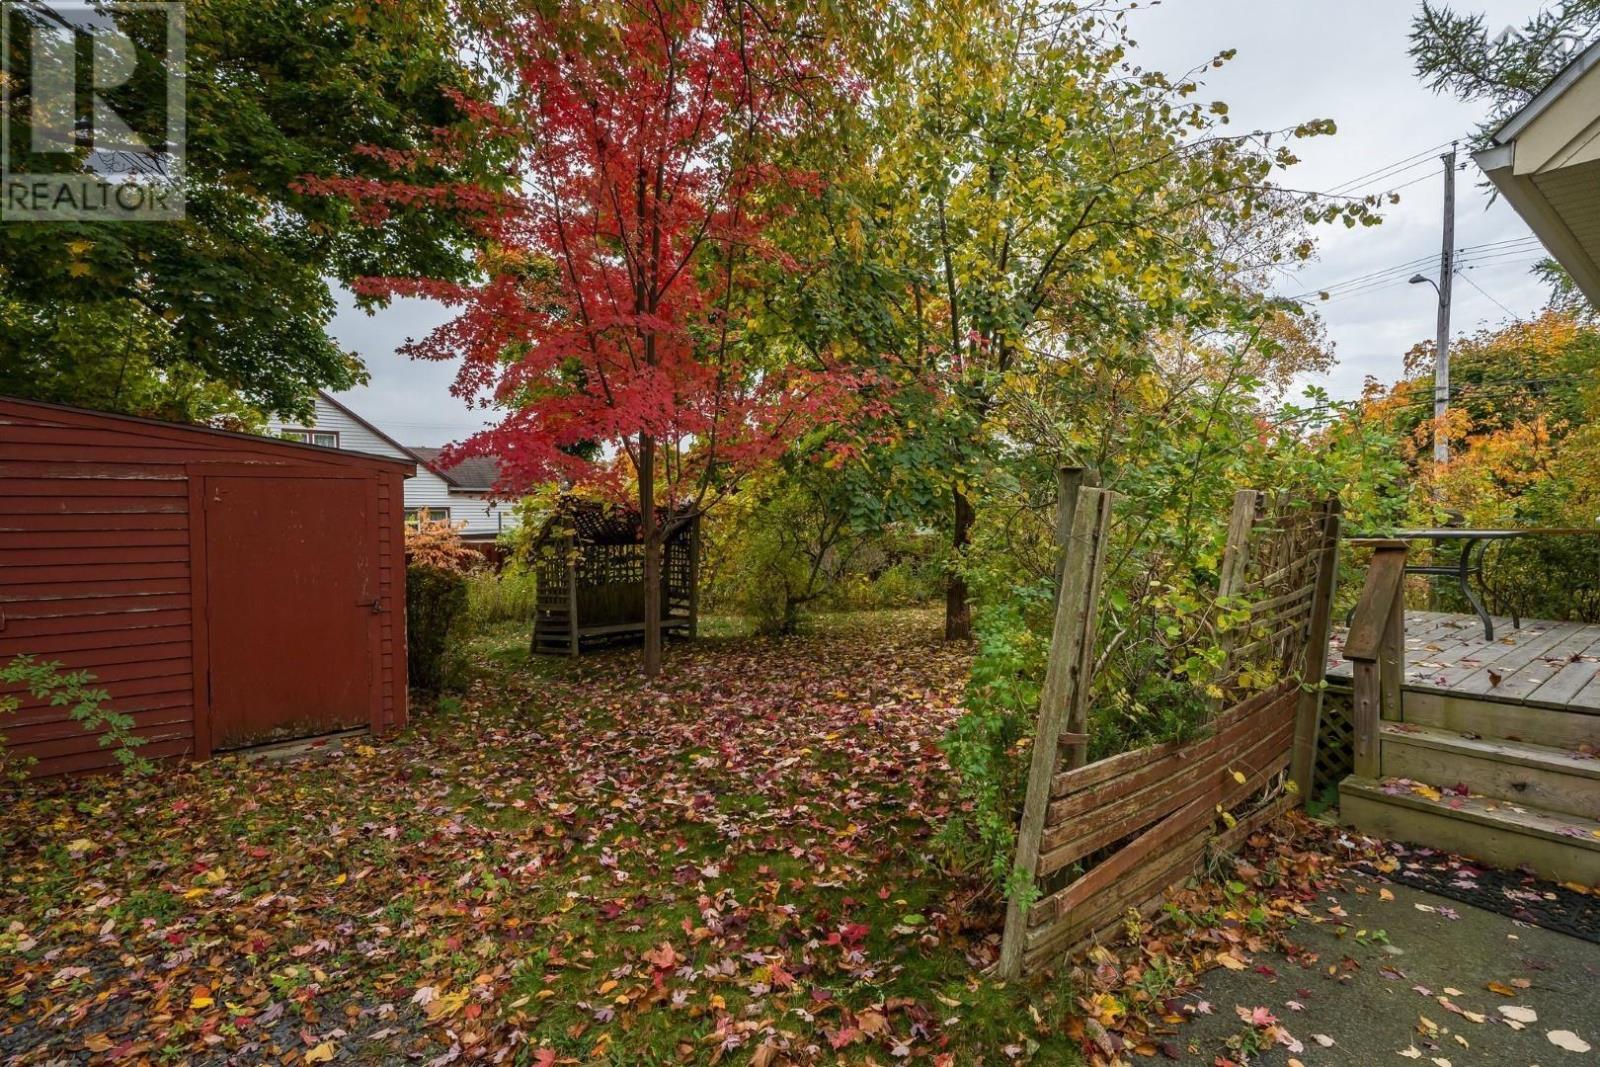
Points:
x=1469, y=564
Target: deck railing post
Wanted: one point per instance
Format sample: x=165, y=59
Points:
x=1375, y=648
x=1392, y=656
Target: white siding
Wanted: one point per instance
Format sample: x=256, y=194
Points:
x=425, y=490
x=428, y=490
x=352, y=435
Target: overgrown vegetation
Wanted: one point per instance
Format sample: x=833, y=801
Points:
x=1175, y=442
x=508, y=595
x=85, y=704
x=436, y=613
x=795, y=542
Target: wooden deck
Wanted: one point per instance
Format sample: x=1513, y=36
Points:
x=1544, y=664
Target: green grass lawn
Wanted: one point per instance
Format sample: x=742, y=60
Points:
x=562, y=865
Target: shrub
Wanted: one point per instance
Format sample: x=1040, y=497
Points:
x=792, y=545
x=85, y=706
x=438, y=544
x=436, y=609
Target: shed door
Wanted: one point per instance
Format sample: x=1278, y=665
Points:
x=291, y=581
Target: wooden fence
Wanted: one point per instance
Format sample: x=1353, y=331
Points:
x=1101, y=838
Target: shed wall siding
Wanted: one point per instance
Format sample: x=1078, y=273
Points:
x=95, y=572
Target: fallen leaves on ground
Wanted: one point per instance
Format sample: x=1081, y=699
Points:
x=736, y=864
x=720, y=865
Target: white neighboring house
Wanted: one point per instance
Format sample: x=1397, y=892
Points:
x=459, y=493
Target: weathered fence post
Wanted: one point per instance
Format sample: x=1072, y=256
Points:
x=1068, y=481
x=1063, y=701
x=1308, y=714
x=1375, y=648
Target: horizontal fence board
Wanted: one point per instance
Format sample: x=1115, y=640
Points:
x=1078, y=838
x=1069, y=782
x=1264, y=759
x=1160, y=770
x=1148, y=890
x=1049, y=942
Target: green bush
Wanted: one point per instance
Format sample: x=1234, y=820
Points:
x=793, y=545
x=436, y=613
x=510, y=596
x=85, y=706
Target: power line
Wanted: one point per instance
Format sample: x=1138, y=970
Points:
x=1462, y=274
x=1372, y=176
x=1373, y=279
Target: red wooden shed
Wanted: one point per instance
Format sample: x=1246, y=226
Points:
x=227, y=590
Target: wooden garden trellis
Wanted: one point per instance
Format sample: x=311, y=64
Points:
x=1097, y=839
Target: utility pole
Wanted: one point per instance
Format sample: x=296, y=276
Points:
x=1447, y=269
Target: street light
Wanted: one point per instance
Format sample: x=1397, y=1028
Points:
x=1441, y=372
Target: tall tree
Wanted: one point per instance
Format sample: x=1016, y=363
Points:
x=1455, y=53
x=617, y=300
x=186, y=318
x=1026, y=196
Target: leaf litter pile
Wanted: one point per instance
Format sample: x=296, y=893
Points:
x=736, y=864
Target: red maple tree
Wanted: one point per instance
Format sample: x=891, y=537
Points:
x=613, y=323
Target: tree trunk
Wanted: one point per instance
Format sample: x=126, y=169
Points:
x=652, y=556
x=957, y=612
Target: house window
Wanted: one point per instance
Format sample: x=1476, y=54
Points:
x=321, y=438
x=427, y=515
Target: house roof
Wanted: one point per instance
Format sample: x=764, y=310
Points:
x=1524, y=116
x=477, y=474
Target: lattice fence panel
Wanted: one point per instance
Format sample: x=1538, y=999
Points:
x=1274, y=568
x=1335, y=743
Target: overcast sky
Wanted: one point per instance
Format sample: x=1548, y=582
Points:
x=1297, y=60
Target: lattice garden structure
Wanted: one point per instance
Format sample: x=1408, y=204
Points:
x=590, y=575
x=1099, y=839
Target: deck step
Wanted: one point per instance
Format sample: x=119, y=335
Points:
x=1559, y=846
x=1553, y=779
x=1568, y=728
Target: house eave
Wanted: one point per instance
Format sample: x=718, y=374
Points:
x=1522, y=192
